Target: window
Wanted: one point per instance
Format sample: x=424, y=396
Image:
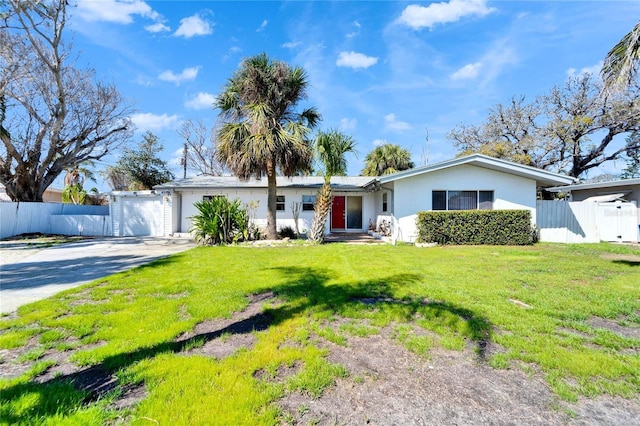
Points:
x=485, y=200
x=384, y=202
x=439, y=200
x=280, y=202
x=462, y=200
x=308, y=202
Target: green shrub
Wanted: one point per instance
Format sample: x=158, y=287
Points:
x=287, y=232
x=493, y=227
x=220, y=221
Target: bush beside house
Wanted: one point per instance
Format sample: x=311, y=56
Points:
x=491, y=227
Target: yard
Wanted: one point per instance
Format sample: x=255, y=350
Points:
x=336, y=334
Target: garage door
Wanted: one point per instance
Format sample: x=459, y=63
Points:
x=140, y=217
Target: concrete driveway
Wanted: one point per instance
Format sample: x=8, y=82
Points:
x=30, y=274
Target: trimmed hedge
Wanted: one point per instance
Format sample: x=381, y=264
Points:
x=491, y=227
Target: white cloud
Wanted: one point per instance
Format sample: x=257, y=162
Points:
x=149, y=121
x=357, y=31
x=392, y=123
x=233, y=50
x=187, y=74
x=380, y=142
x=467, y=72
x=193, y=26
x=120, y=12
x=158, y=27
x=417, y=16
x=498, y=58
x=262, y=26
x=348, y=124
x=202, y=100
x=593, y=70
x=355, y=60
x=291, y=44
x=143, y=80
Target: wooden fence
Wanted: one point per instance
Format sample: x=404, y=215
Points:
x=54, y=218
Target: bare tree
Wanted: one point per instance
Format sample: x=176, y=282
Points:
x=511, y=132
x=116, y=178
x=54, y=115
x=200, y=152
x=556, y=131
x=579, y=112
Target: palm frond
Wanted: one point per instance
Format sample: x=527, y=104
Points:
x=620, y=66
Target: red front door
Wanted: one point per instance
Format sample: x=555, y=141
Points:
x=337, y=213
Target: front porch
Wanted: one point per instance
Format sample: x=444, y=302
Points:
x=353, y=238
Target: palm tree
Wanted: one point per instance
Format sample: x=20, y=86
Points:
x=261, y=133
x=621, y=64
x=386, y=159
x=331, y=148
x=74, y=179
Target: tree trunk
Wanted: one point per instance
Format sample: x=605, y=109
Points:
x=272, y=231
x=20, y=187
x=322, y=209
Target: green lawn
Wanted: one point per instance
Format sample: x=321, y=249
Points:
x=546, y=308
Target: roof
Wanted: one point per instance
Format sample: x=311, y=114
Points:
x=542, y=177
x=596, y=185
x=608, y=197
x=346, y=183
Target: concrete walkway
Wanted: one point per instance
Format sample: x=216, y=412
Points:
x=28, y=274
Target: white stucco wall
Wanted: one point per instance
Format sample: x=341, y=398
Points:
x=413, y=194
x=284, y=218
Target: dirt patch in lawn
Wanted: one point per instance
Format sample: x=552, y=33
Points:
x=389, y=385
x=629, y=332
x=222, y=337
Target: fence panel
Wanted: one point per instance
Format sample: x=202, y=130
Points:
x=85, y=225
x=24, y=217
x=567, y=222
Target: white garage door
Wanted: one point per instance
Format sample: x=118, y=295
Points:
x=141, y=217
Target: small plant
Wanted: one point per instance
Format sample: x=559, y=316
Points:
x=32, y=355
x=220, y=221
x=287, y=232
x=193, y=344
x=51, y=336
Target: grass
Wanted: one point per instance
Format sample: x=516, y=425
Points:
x=446, y=297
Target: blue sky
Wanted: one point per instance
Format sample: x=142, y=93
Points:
x=381, y=71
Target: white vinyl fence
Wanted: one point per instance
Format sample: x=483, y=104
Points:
x=54, y=218
x=586, y=222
